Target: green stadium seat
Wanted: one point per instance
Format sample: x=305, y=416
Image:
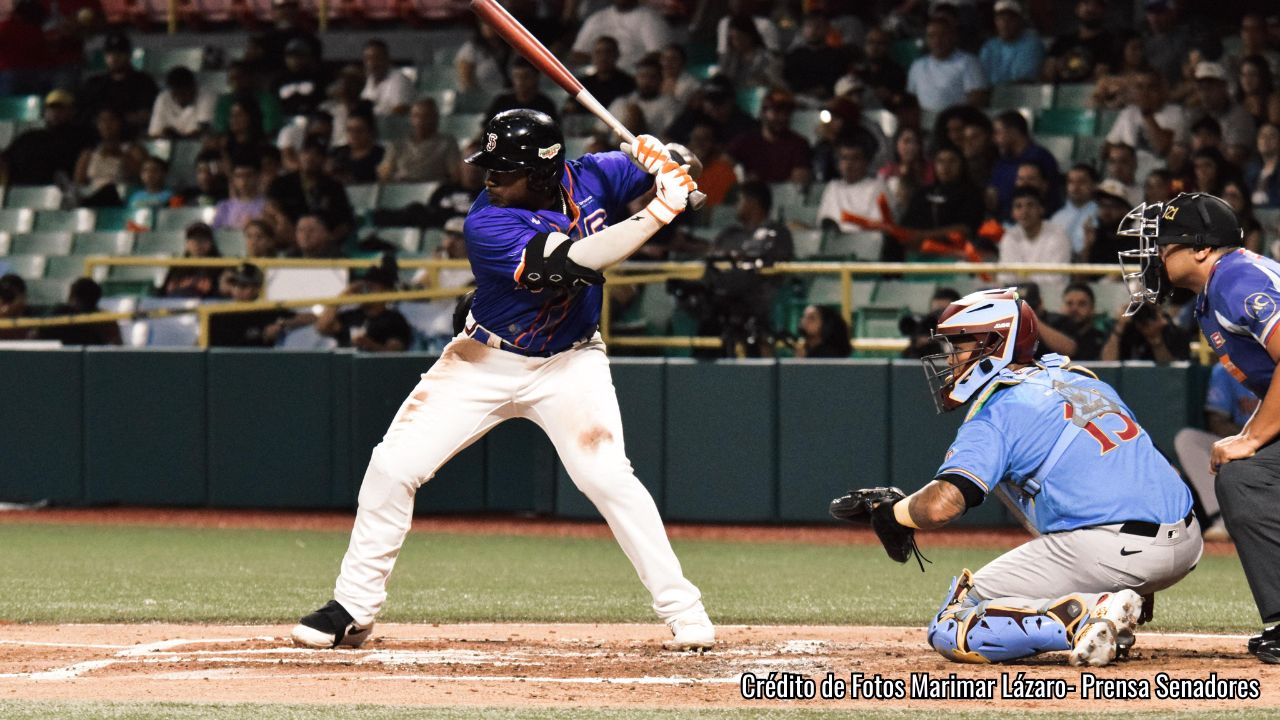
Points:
x=102, y=243
x=153, y=276
x=432, y=239
x=1088, y=149
x=825, y=290
x=1066, y=121
x=721, y=216
x=785, y=195
x=48, y=291
x=363, y=197
x=808, y=243
x=21, y=107
x=1035, y=96
x=395, y=127
x=803, y=214
x=182, y=163
x=180, y=218
x=407, y=239
x=906, y=294
x=1061, y=146
x=17, y=220
x=863, y=288
x=1077, y=96
x=36, y=197
x=701, y=71
x=853, y=246
x=230, y=242
x=41, y=243
x=905, y=51
x=462, y=126
x=805, y=123
x=8, y=131
x=160, y=242
x=159, y=61
x=887, y=121
x=576, y=147
x=213, y=82
x=1106, y=118
x=5, y=240
x=397, y=195
x=162, y=149
x=64, y=267
x=876, y=322
x=28, y=266
x=80, y=220
x=656, y=308
x=437, y=79
x=750, y=99
x=1109, y=294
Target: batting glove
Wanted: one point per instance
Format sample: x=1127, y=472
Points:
x=649, y=153
x=674, y=185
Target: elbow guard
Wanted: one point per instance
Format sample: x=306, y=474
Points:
x=546, y=264
x=973, y=495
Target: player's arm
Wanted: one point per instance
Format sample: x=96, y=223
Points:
x=937, y=503
x=1262, y=428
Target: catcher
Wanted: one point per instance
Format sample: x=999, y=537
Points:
x=1112, y=519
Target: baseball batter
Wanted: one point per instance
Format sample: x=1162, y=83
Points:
x=1194, y=242
x=1113, y=520
x=538, y=239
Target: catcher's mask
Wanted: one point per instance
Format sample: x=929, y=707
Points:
x=1003, y=329
x=1198, y=220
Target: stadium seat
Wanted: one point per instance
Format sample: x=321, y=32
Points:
x=41, y=243
x=36, y=197
x=808, y=243
x=162, y=149
x=575, y=147
x=182, y=163
x=876, y=322
x=80, y=220
x=397, y=195
x=1035, y=96
x=64, y=267
x=213, y=82
x=852, y=246
x=102, y=243
x=803, y=214
x=394, y=127
x=721, y=216
x=159, y=242
x=21, y=107
x=118, y=304
x=863, y=288
x=177, y=331
x=1077, y=96
x=180, y=218
x=1062, y=148
x=1106, y=118
x=5, y=240
x=432, y=238
x=903, y=294
x=306, y=338
x=750, y=99
x=805, y=123
x=825, y=290
x=230, y=242
x=47, y=291
x=437, y=78
x=1109, y=295
x=17, y=220
x=1088, y=149
x=1066, y=121
x=786, y=195
x=159, y=61
x=8, y=130
x=28, y=266
x=363, y=197
x=407, y=239
x=153, y=274
x=656, y=308
x=887, y=121
x=462, y=126
x=905, y=51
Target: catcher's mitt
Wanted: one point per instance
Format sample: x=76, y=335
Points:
x=874, y=507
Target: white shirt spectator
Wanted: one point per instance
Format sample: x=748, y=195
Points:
x=167, y=113
x=768, y=32
x=488, y=74
x=639, y=31
x=842, y=199
x=1128, y=130
x=1050, y=245
x=659, y=111
x=1073, y=219
x=393, y=91
x=939, y=84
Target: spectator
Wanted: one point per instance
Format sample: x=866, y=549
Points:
x=946, y=76
x=823, y=333
x=1122, y=166
x=427, y=155
x=1032, y=240
x=1234, y=194
x=677, y=83
x=311, y=191
x=842, y=118
x=82, y=299
x=948, y=126
x=1255, y=86
x=979, y=148
x=1030, y=176
x=197, y=282
x=211, y=184
x=886, y=79
x=1086, y=54
x=657, y=111
x=241, y=82
x=373, y=327
x=1253, y=42
x=131, y=93
x=256, y=328
x=343, y=100
x=388, y=88
x=1081, y=209
x=182, y=110
x=290, y=29
x=812, y=68
x=270, y=165
x=1206, y=132
x=718, y=107
x=1167, y=40
x=750, y=10
x=314, y=239
x=605, y=80
x=259, y=239
x=718, y=177
x=1081, y=339
x=524, y=93
x=13, y=305
x=481, y=61
x=357, y=162
x=755, y=235
x=774, y=153
x=636, y=29
x=1158, y=187
x=48, y=155
x=153, y=194
x=244, y=132
x=246, y=202
x=1149, y=334
x=114, y=161
x=1013, y=140
x=1101, y=240
x=748, y=63
x=1111, y=92
x=1215, y=101
x=24, y=51
x=438, y=326
x=1149, y=123
x=301, y=87
x=945, y=214
x=1262, y=177
x=854, y=201
x=1211, y=170
x=908, y=171
x=318, y=126
x=1015, y=54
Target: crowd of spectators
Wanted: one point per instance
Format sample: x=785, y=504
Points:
x=1188, y=103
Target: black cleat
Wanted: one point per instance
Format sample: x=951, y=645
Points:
x=329, y=627
x=1256, y=641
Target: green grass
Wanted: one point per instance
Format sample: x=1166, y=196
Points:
x=70, y=573
x=14, y=710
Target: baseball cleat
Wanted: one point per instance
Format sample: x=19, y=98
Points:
x=329, y=627
x=691, y=632
x=1108, y=631
x=1272, y=636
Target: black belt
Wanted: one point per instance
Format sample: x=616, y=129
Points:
x=1150, y=529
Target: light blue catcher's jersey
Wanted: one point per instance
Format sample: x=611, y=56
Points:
x=1066, y=449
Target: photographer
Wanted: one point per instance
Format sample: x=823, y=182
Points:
x=918, y=329
x=1078, y=324
x=374, y=327
x=1148, y=334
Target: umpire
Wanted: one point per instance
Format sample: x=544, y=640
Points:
x=1193, y=242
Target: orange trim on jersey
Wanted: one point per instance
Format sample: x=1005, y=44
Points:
x=967, y=474
x=520, y=268
x=574, y=210
x=550, y=328
x=532, y=325
x=1235, y=372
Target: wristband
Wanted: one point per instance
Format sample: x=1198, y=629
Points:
x=902, y=513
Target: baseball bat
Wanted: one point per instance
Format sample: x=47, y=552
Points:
x=531, y=49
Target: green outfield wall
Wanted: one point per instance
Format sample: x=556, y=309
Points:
x=723, y=441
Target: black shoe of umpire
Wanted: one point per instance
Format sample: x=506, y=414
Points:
x=1255, y=642
x=329, y=627
x=1269, y=652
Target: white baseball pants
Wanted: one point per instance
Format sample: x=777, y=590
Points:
x=472, y=388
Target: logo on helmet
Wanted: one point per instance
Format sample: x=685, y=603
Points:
x=547, y=153
x=1171, y=213
x=491, y=143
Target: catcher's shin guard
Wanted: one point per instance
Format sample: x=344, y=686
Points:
x=989, y=633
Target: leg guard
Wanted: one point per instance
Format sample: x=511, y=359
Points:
x=999, y=630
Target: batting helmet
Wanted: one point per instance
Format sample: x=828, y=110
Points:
x=524, y=139
x=1005, y=330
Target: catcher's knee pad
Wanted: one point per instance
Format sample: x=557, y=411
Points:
x=989, y=633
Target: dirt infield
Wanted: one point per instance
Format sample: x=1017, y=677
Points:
x=559, y=666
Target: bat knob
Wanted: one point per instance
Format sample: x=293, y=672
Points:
x=697, y=199
x=682, y=155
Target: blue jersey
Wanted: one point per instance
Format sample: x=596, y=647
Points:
x=1067, y=451
x=1237, y=313
x=1227, y=396
x=599, y=188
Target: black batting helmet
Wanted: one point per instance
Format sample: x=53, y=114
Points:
x=523, y=139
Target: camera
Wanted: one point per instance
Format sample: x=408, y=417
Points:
x=733, y=301
x=918, y=329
